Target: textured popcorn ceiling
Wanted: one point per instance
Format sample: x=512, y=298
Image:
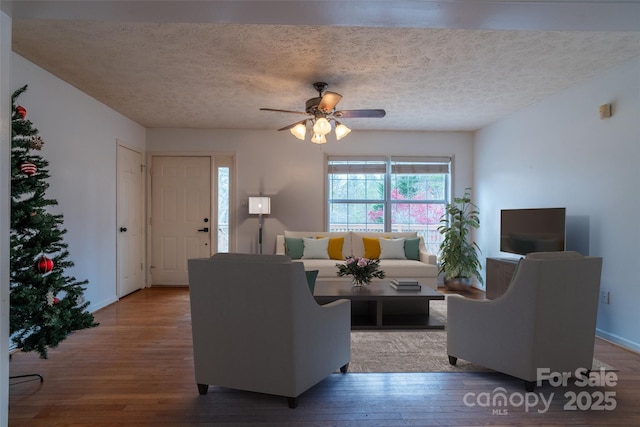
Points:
x=216, y=75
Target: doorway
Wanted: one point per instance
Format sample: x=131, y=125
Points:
x=181, y=206
x=129, y=217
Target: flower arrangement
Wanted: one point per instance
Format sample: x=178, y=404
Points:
x=361, y=269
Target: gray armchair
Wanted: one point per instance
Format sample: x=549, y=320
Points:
x=256, y=326
x=546, y=319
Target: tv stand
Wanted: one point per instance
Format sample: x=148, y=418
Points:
x=499, y=273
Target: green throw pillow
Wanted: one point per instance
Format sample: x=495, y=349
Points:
x=311, y=279
x=294, y=247
x=412, y=248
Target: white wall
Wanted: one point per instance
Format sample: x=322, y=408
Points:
x=292, y=171
x=80, y=144
x=559, y=153
x=5, y=197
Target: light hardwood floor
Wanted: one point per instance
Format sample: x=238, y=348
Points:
x=136, y=369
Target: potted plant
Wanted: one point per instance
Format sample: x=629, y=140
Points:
x=458, y=253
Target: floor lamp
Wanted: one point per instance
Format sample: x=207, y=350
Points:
x=259, y=206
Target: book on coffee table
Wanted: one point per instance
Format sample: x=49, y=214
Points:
x=404, y=282
x=405, y=285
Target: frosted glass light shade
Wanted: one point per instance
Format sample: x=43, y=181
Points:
x=322, y=126
x=342, y=131
x=318, y=138
x=259, y=205
x=299, y=131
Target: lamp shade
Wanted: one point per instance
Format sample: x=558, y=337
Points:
x=341, y=131
x=318, y=138
x=299, y=131
x=322, y=126
x=259, y=205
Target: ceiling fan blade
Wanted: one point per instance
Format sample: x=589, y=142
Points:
x=291, y=126
x=329, y=102
x=284, y=111
x=360, y=113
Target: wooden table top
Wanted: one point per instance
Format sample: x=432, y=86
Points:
x=375, y=290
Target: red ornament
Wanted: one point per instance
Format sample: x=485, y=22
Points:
x=22, y=112
x=43, y=265
x=28, y=169
x=56, y=300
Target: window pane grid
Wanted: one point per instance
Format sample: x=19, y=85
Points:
x=415, y=199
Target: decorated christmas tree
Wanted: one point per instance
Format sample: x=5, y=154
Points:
x=45, y=304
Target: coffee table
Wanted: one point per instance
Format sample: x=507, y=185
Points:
x=379, y=306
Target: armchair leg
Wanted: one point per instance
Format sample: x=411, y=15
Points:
x=529, y=386
x=344, y=368
x=203, y=388
x=293, y=402
x=453, y=360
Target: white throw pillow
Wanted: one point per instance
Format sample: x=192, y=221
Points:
x=315, y=248
x=392, y=248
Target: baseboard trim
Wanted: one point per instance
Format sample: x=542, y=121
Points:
x=618, y=341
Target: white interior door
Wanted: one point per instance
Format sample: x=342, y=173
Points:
x=130, y=205
x=180, y=216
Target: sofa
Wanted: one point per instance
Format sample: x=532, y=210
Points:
x=401, y=254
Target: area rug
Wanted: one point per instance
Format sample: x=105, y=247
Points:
x=412, y=350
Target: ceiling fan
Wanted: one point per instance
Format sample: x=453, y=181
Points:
x=321, y=110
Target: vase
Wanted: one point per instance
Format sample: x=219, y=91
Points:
x=358, y=282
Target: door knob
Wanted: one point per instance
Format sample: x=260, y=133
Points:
x=123, y=229
x=206, y=229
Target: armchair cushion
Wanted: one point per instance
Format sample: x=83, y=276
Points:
x=312, y=275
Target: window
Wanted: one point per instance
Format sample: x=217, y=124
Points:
x=223, y=209
x=224, y=224
x=388, y=194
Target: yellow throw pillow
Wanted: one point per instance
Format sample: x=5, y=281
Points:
x=335, y=247
x=371, y=247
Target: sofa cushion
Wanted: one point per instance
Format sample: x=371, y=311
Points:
x=315, y=248
x=392, y=248
x=326, y=267
x=357, y=244
x=335, y=248
x=346, y=246
x=371, y=247
x=398, y=268
x=294, y=247
x=412, y=248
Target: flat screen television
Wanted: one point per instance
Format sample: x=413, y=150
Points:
x=523, y=231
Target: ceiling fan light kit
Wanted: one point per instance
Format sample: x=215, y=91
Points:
x=299, y=130
x=322, y=112
x=341, y=130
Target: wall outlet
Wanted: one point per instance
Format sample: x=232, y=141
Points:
x=604, y=297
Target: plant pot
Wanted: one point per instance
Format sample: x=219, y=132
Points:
x=459, y=284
